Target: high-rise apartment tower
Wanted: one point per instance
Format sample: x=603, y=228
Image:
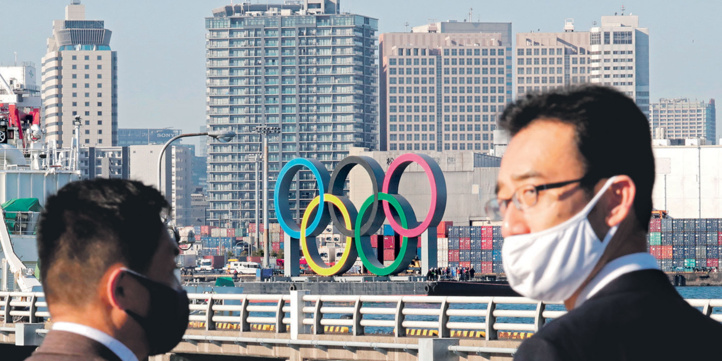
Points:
x=305, y=68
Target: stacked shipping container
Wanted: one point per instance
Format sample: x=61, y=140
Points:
x=685, y=244
x=677, y=244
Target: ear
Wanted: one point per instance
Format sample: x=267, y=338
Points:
x=116, y=290
x=620, y=200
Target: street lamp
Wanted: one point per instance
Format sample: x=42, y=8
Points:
x=265, y=130
x=224, y=137
x=255, y=158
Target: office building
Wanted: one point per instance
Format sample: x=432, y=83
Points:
x=681, y=118
x=303, y=67
x=616, y=54
x=129, y=136
x=443, y=84
x=79, y=76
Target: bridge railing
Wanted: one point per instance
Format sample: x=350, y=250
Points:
x=302, y=313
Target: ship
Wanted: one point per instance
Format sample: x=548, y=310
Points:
x=29, y=173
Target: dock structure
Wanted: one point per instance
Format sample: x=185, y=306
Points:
x=300, y=326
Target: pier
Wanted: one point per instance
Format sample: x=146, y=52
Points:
x=301, y=326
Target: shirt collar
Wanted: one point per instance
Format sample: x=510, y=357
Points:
x=615, y=269
x=118, y=348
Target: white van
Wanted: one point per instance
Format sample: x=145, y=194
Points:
x=244, y=267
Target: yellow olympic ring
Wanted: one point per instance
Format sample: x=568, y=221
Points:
x=350, y=253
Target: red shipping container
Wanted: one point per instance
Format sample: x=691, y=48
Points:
x=487, y=231
x=655, y=251
x=276, y=246
x=666, y=252
x=712, y=262
x=655, y=225
x=205, y=230
x=418, y=242
x=442, y=230
x=231, y=232
x=198, y=237
x=487, y=267
x=453, y=255
x=487, y=244
x=465, y=244
x=388, y=242
x=719, y=238
x=374, y=240
x=465, y=264
x=389, y=255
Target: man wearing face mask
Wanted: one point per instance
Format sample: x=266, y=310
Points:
x=574, y=192
x=107, y=264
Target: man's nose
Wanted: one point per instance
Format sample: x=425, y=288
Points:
x=514, y=222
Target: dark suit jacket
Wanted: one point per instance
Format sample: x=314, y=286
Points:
x=62, y=346
x=638, y=316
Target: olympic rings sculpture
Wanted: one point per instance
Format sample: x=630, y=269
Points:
x=358, y=225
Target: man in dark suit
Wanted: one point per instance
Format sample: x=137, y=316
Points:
x=575, y=194
x=107, y=266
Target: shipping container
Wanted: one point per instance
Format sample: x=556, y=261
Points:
x=389, y=254
x=388, y=231
x=389, y=242
x=487, y=267
x=453, y=255
x=713, y=262
x=442, y=230
x=655, y=239
x=205, y=231
x=454, y=244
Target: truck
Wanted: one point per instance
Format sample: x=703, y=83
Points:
x=211, y=263
x=186, y=262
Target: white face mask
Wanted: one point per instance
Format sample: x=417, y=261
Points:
x=552, y=264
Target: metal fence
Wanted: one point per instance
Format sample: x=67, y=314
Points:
x=302, y=313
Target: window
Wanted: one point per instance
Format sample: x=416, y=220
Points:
x=75, y=66
x=75, y=57
x=87, y=66
x=100, y=67
x=100, y=112
x=87, y=57
x=75, y=76
x=75, y=85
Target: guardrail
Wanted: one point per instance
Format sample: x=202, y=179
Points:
x=302, y=313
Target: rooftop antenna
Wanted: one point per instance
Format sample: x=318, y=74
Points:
x=406, y=26
x=622, y=10
x=471, y=12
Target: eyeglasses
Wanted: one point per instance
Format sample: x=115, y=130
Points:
x=523, y=198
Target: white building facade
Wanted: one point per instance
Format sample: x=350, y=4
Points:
x=79, y=79
x=688, y=181
x=176, y=180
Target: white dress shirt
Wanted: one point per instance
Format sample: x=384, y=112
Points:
x=615, y=269
x=118, y=348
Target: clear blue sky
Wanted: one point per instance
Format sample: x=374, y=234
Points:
x=161, y=43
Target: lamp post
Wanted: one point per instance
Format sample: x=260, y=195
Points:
x=221, y=136
x=255, y=158
x=76, y=157
x=265, y=130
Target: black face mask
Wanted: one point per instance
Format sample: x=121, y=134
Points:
x=167, y=317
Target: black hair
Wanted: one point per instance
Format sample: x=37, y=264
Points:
x=612, y=134
x=90, y=225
